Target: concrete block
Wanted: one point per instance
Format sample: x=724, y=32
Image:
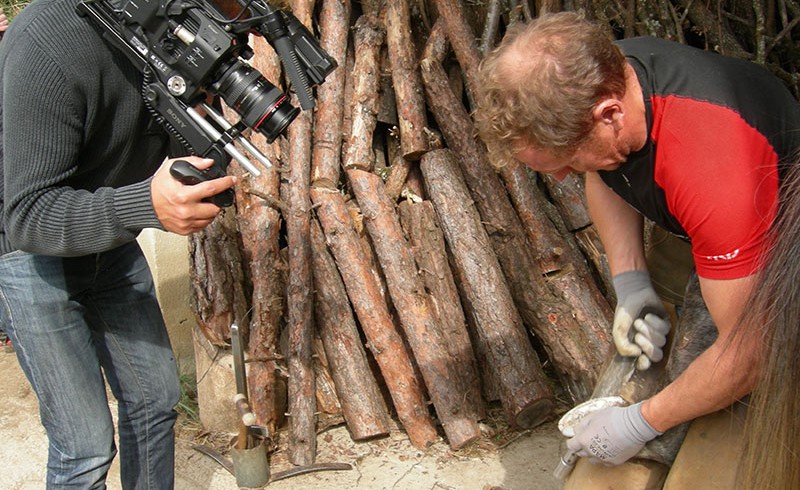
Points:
x=168, y=257
x=216, y=385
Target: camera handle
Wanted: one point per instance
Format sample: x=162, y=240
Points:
x=304, y=60
x=187, y=174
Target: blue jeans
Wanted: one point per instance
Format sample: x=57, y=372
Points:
x=73, y=319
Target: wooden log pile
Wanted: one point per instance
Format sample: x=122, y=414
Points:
x=382, y=269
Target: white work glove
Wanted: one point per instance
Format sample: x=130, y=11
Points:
x=612, y=435
x=639, y=306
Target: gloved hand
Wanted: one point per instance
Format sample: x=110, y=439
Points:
x=613, y=435
x=639, y=306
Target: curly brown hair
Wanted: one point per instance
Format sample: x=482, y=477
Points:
x=538, y=87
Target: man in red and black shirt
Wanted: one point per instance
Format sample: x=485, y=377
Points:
x=694, y=141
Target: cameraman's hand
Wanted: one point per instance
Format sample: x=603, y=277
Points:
x=181, y=208
x=639, y=306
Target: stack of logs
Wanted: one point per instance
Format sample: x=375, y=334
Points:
x=383, y=268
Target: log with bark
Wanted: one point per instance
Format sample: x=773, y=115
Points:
x=406, y=79
x=295, y=193
x=424, y=234
x=259, y=222
x=383, y=338
x=217, y=279
x=413, y=305
x=525, y=394
x=327, y=143
x=362, y=404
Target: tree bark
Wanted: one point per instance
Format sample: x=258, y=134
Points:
x=570, y=199
x=369, y=37
x=525, y=394
x=362, y=403
x=462, y=39
x=217, y=279
x=384, y=340
x=413, y=307
x=427, y=241
x=302, y=406
x=326, y=154
x=406, y=80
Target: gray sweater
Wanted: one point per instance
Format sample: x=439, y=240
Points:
x=79, y=147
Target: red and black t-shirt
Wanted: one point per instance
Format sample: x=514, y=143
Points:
x=721, y=129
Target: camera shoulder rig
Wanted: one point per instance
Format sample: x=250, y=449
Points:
x=189, y=51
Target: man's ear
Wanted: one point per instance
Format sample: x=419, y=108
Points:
x=609, y=111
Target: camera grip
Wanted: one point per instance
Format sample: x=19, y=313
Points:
x=187, y=174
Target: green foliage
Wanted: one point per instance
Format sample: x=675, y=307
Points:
x=187, y=405
x=12, y=7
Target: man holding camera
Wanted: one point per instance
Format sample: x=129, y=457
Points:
x=83, y=170
x=691, y=140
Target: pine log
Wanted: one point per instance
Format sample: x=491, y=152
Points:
x=347, y=115
x=259, y=224
x=589, y=242
x=570, y=199
x=217, y=278
x=568, y=274
x=548, y=245
x=462, y=39
x=384, y=339
x=414, y=308
x=406, y=80
x=427, y=241
x=302, y=402
x=396, y=179
x=369, y=37
x=552, y=320
x=525, y=394
x=360, y=397
x=334, y=23
x=326, y=394
x=490, y=380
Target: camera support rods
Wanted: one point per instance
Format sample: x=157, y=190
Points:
x=225, y=139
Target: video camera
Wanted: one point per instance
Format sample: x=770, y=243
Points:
x=189, y=50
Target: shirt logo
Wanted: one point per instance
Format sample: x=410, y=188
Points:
x=727, y=256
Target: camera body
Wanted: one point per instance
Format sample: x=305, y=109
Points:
x=185, y=46
x=190, y=50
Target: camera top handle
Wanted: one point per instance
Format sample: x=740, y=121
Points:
x=305, y=62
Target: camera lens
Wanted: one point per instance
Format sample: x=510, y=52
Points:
x=261, y=105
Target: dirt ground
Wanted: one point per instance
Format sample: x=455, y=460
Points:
x=503, y=461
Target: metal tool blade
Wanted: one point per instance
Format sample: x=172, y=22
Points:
x=238, y=361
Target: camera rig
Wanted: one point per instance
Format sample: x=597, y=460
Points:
x=190, y=50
